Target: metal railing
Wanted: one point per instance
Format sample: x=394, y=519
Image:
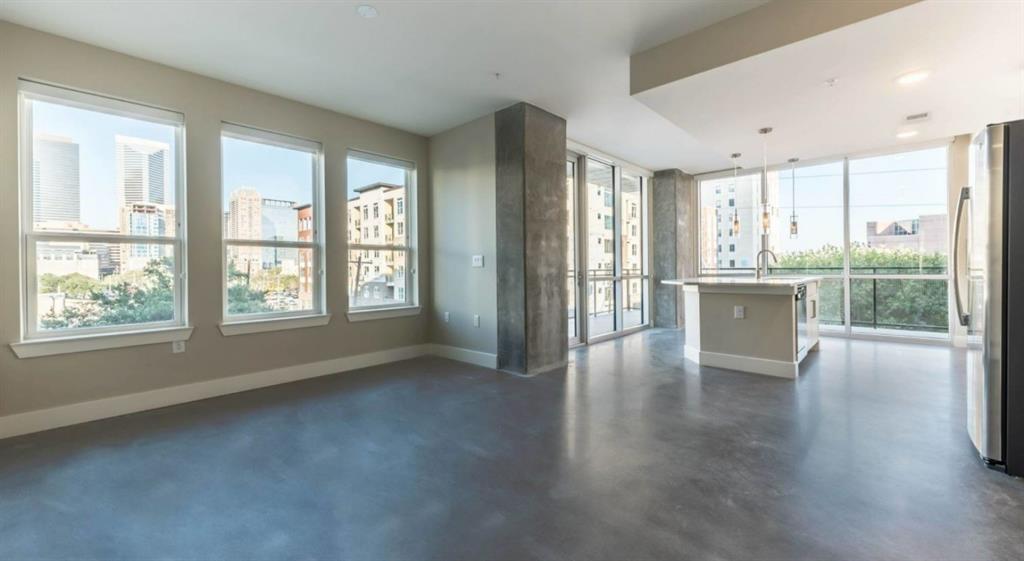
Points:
x=872, y=308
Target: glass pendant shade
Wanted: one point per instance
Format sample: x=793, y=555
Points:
x=793, y=228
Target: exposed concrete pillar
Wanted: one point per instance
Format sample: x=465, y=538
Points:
x=674, y=223
x=531, y=239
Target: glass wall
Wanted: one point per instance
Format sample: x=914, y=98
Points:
x=570, y=187
x=600, y=201
x=608, y=274
x=882, y=254
x=899, y=242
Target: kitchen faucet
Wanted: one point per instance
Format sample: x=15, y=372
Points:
x=758, y=273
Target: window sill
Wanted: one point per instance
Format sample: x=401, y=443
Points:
x=83, y=343
x=274, y=324
x=383, y=313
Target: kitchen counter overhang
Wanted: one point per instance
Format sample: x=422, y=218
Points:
x=743, y=285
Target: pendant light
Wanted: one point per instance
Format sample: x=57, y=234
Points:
x=735, y=229
x=766, y=211
x=793, y=229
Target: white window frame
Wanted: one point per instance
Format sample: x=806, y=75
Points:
x=106, y=336
x=240, y=324
x=409, y=239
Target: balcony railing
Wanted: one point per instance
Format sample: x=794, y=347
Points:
x=877, y=302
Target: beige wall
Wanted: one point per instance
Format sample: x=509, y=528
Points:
x=767, y=331
x=29, y=384
x=462, y=164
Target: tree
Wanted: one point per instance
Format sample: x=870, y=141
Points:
x=893, y=303
x=241, y=298
x=119, y=301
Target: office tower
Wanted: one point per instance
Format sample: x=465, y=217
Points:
x=142, y=170
x=55, y=179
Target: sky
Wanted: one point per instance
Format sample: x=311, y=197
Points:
x=883, y=189
x=276, y=172
x=94, y=133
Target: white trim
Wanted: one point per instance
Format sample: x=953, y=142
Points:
x=64, y=415
x=272, y=324
x=374, y=158
x=479, y=358
x=99, y=102
x=83, y=412
x=769, y=367
x=382, y=313
x=317, y=245
x=264, y=136
x=939, y=340
x=63, y=345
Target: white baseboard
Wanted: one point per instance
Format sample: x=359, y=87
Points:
x=487, y=360
x=779, y=368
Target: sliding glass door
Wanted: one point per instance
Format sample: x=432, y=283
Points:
x=609, y=275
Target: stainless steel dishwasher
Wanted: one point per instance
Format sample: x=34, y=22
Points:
x=801, y=319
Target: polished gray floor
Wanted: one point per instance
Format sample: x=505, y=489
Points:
x=631, y=453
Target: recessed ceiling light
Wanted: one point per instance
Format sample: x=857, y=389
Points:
x=367, y=11
x=831, y=82
x=906, y=134
x=912, y=77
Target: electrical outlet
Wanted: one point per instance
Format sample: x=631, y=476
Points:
x=478, y=261
x=177, y=346
x=447, y=317
x=476, y=320
x=738, y=312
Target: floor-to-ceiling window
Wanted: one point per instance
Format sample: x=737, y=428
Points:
x=572, y=253
x=875, y=228
x=600, y=208
x=899, y=238
x=609, y=276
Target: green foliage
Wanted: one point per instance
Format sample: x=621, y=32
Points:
x=148, y=299
x=890, y=303
x=75, y=285
x=241, y=298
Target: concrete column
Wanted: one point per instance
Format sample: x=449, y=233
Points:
x=531, y=239
x=674, y=223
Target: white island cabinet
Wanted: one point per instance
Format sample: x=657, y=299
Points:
x=764, y=326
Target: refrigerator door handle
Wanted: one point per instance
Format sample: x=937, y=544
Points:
x=965, y=194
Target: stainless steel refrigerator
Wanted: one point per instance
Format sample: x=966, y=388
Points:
x=989, y=297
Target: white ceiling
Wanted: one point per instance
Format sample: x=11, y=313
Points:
x=974, y=50
x=420, y=66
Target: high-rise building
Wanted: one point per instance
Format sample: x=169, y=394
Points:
x=279, y=221
x=142, y=187
x=244, y=222
x=56, y=189
x=141, y=170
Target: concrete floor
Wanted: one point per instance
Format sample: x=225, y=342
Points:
x=630, y=454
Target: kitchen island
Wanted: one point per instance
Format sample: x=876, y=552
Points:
x=760, y=325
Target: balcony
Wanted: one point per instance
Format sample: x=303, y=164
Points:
x=901, y=304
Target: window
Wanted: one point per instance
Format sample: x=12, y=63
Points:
x=381, y=281
x=103, y=232
x=886, y=273
x=632, y=194
x=273, y=245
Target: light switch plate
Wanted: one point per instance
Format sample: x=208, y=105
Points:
x=738, y=312
x=447, y=316
x=478, y=261
x=476, y=320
